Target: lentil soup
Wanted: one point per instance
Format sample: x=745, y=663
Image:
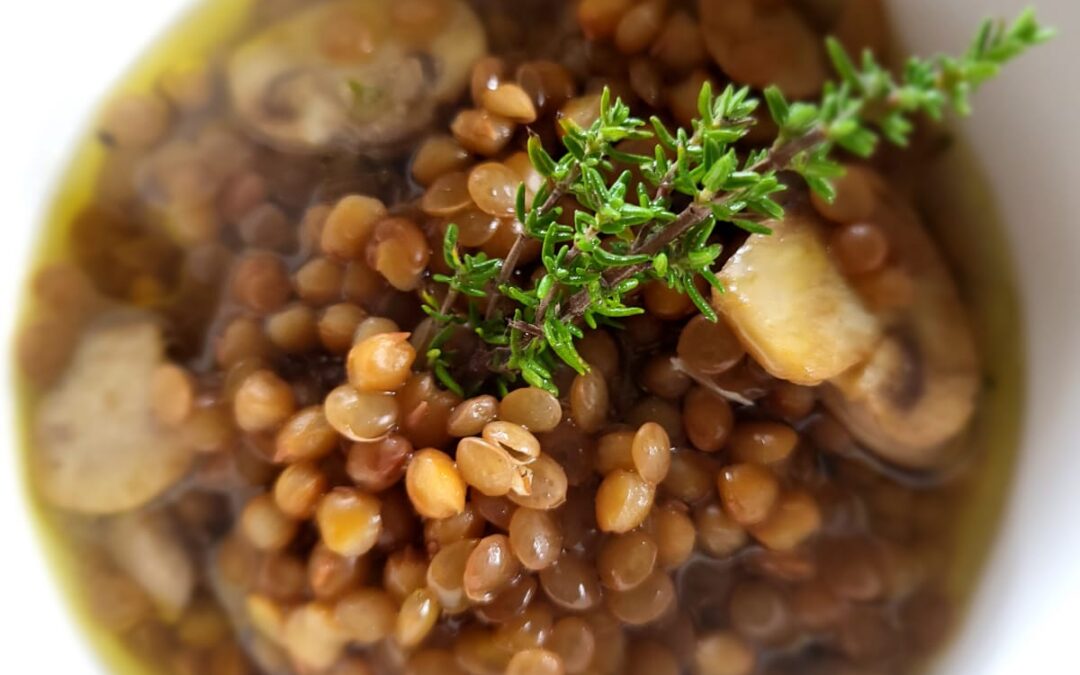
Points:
x=248, y=465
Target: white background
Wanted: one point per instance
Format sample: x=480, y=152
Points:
x=57, y=57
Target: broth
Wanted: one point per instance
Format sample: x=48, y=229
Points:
x=256, y=307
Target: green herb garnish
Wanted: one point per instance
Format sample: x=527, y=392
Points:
x=622, y=238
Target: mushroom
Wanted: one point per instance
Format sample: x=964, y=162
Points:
x=363, y=74
x=763, y=43
x=98, y=448
x=902, y=379
x=918, y=389
x=146, y=546
x=792, y=308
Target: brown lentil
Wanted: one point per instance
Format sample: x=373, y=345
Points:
x=571, y=583
x=349, y=521
x=486, y=467
x=599, y=18
x=298, y=488
x=718, y=535
x=418, y=614
x=265, y=525
x=349, y=225
x=438, y=155
x=381, y=362
x=855, y=199
x=535, y=662
x=435, y=486
x=293, y=329
x=663, y=376
x=762, y=442
x=547, y=83
x=599, y=350
x=337, y=326
x=470, y=416
x=626, y=560
x=708, y=419
x=535, y=538
x=482, y=132
x=573, y=640
x=522, y=445
x=535, y=409
x=679, y=45
x=405, y=571
x=674, y=534
x=691, y=477
x=589, y=401
x=376, y=466
x=491, y=567
x=623, y=501
x=305, y=435
x=510, y=101
x=330, y=575
x=446, y=575
x=639, y=26
x=260, y=282
x=791, y=401
x=366, y=615
x=647, y=602
x=319, y=281
x=795, y=517
x=360, y=416
x=651, y=452
x=859, y=247
x=447, y=195
x=263, y=402
x=748, y=492
x=495, y=510
x=399, y=252
x=547, y=485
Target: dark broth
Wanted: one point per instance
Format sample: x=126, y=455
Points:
x=877, y=588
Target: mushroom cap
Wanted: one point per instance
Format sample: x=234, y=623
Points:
x=348, y=73
x=98, y=448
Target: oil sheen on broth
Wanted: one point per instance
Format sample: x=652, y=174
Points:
x=221, y=306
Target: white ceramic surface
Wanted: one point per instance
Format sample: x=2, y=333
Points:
x=58, y=57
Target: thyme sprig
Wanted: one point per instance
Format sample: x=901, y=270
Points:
x=627, y=232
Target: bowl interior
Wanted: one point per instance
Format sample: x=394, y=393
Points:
x=1015, y=165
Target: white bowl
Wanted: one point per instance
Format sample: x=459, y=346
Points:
x=59, y=58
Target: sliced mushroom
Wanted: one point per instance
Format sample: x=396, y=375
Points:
x=791, y=307
x=98, y=448
x=762, y=43
x=904, y=379
x=146, y=546
x=918, y=390
x=363, y=74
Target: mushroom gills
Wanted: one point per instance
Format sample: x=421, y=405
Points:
x=353, y=74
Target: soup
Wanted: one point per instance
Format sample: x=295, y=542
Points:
x=244, y=431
